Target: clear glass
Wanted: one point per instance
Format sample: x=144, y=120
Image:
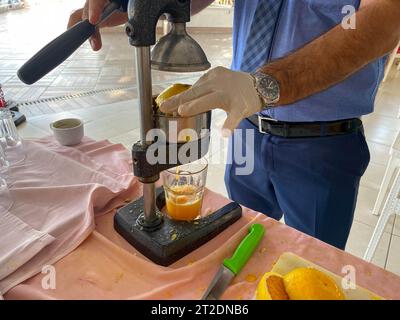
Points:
x=184, y=189
x=4, y=164
x=6, y=200
x=10, y=139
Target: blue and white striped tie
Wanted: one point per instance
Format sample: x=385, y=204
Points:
x=262, y=30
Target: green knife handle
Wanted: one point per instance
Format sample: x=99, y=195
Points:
x=245, y=249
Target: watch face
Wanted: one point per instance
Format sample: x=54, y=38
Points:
x=269, y=88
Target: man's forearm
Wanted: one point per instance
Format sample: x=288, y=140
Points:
x=199, y=5
x=339, y=53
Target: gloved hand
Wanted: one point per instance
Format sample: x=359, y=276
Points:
x=92, y=11
x=220, y=88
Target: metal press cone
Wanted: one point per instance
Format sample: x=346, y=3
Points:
x=178, y=52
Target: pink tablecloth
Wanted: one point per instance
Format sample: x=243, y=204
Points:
x=56, y=193
x=105, y=266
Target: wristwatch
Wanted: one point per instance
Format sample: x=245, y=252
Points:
x=267, y=87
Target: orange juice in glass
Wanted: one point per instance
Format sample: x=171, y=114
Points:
x=184, y=188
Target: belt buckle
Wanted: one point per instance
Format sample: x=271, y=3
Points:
x=260, y=120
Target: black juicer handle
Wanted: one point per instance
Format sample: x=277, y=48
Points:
x=58, y=50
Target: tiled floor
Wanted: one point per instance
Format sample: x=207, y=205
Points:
x=111, y=113
x=85, y=70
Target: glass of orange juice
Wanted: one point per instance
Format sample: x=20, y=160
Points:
x=184, y=188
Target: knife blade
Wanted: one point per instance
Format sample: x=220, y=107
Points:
x=232, y=266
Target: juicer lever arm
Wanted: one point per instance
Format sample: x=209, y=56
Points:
x=58, y=50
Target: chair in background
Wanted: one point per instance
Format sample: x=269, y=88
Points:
x=393, y=166
x=395, y=54
x=391, y=207
x=388, y=197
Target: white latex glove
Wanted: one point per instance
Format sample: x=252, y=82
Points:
x=220, y=88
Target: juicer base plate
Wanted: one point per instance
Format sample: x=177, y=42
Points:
x=172, y=240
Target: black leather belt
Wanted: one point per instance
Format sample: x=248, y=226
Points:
x=305, y=129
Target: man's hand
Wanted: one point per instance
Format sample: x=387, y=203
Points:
x=221, y=88
x=339, y=53
x=92, y=11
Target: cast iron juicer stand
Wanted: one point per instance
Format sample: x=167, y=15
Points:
x=141, y=223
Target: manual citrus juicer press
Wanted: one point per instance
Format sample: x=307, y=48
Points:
x=141, y=222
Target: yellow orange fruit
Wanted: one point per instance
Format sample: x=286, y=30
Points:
x=299, y=284
x=171, y=91
x=311, y=284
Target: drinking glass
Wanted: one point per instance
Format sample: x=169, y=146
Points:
x=184, y=189
x=10, y=139
x=6, y=200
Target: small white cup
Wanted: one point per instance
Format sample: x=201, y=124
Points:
x=68, y=132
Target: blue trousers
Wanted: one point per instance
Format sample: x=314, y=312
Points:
x=312, y=181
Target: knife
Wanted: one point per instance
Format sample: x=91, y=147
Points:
x=231, y=267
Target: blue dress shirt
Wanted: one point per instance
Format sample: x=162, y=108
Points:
x=300, y=22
